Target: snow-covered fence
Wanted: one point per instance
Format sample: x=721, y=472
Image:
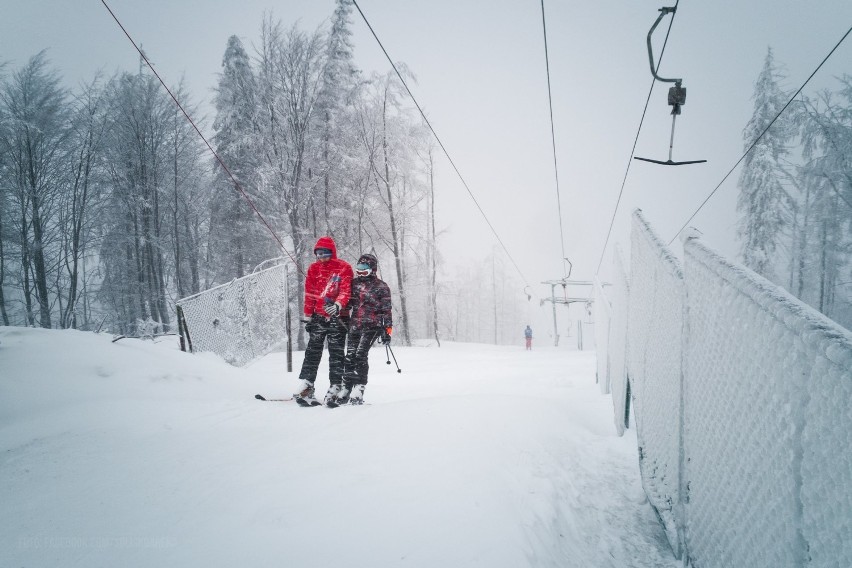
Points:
x=742, y=405
x=611, y=341
x=769, y=422
x=239, y=321
x=654, y=348
x=603, y=319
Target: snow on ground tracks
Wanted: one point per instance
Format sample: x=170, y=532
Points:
x=135, y=454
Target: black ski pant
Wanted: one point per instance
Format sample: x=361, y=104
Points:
x=334, y=332
x=357, y=360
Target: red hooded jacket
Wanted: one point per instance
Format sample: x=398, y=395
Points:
x=329, y=281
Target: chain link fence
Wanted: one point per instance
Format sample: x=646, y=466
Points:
x=742, y=407
x=239, y=321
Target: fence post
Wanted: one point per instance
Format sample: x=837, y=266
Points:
x=288, y=325
x=183, y=331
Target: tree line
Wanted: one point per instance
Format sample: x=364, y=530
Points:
x=102, y=205
x=795, y=199
x=112, y=208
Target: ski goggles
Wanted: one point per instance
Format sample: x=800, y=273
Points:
x=363, y=270
x=323, y=253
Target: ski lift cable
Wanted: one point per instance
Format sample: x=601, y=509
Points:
x=441, y=144
x=635, y=142
x=765, y=130
x=203, y=138
x=553, y=136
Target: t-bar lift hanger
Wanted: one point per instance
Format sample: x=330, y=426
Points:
x=677, y=95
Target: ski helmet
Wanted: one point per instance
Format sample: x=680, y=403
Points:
x=367, y=264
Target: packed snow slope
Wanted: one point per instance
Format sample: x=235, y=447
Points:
x=135, y=454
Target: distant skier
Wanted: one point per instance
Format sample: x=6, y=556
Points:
x=528, y=336
x=327, y=288
x=371, y=318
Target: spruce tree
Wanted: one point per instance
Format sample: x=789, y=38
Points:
x=764, y=203
x=335, y=109
x=237, y=245
x=827, y=174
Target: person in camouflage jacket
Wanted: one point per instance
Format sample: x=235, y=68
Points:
x=370, y=318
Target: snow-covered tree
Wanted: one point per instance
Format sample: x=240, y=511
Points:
x=826, y=236
x=238, y=241
x=5, y=210
x=764, y=203
x=137, y=159
x=187, y=198
x=151, y=246
x=81, y=200
x=334, y=116
x=796, y=193
x=33, y=140
x=290, y=65
x=431, y=246
x=394, y=139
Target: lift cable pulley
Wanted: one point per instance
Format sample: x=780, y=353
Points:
x=677, y=95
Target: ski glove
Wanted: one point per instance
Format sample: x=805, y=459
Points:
x=332, y=309
x=386, y=335
x=313, y=325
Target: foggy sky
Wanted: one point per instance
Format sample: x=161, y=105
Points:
x=481, y=78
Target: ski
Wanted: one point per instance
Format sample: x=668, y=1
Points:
x=261, y=397
x=335, y=405
x=306, y=403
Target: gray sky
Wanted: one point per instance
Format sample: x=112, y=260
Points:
x=481, y=79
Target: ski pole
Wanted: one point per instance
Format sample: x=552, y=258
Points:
x=398, y=370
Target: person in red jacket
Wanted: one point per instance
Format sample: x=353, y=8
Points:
x=371, y=318
x=328, y=286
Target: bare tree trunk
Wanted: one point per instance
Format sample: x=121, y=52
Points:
x=326, y=142
x=402, y=226
x=135, y=255
x=79, y=206
x=803, y=244
x=87, y=311
x=394, y=237
x=494, y=290
x=25, y=263
x=298, y=235
x=38, y=245
x=74, y=254
x=362, y=212
x=830, y=252
x=3, y=312
x=209, y=261
x=433, y=250
x=822, y=266
x=158, y=264
x=178, y=279
x=195, y=278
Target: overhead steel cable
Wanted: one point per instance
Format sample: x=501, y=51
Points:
x=765, y=130
x=441, y=144
x=209, y=146
x=553, y=138
x=635, y=141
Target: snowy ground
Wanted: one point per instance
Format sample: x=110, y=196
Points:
x=135, y=454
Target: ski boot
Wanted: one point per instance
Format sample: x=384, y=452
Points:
x=305, y=397
x=330, y=399
x=357, y=395
x=343, y=395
